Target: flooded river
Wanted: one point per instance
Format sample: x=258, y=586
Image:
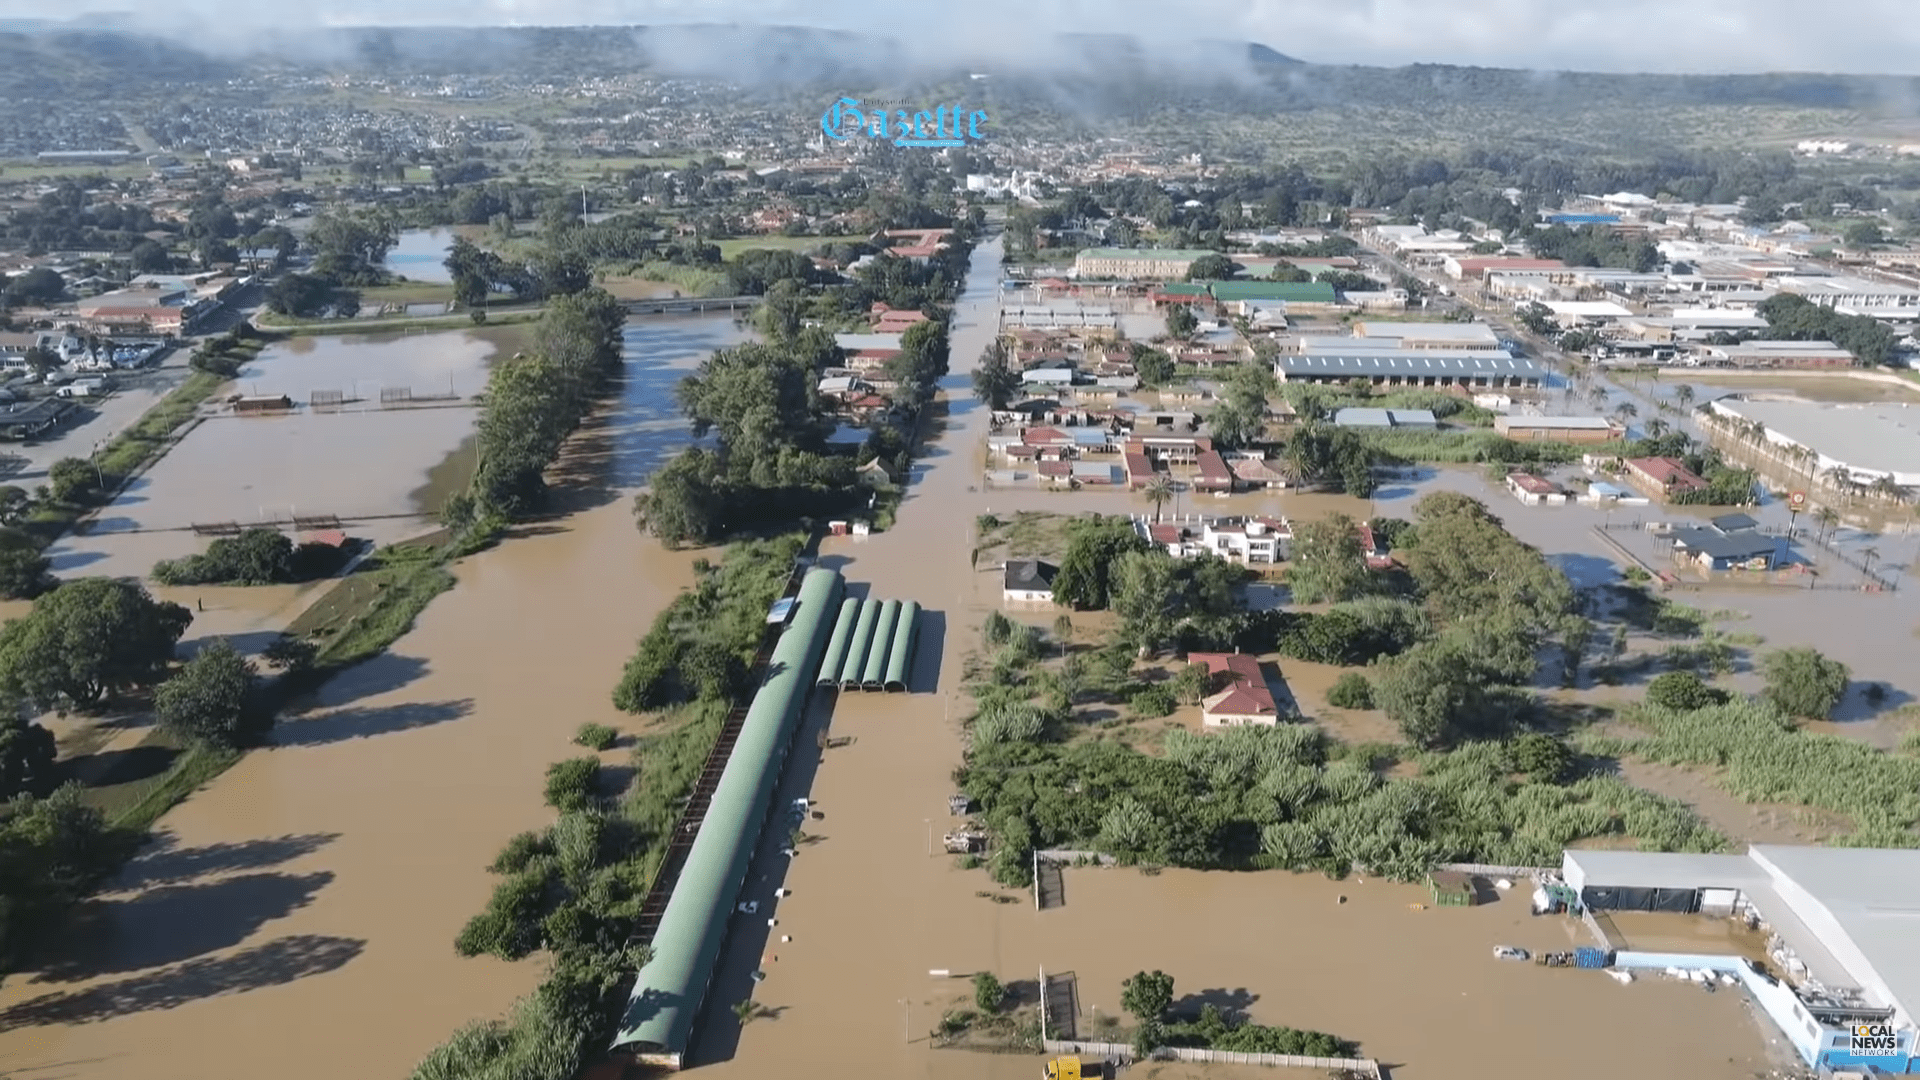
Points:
x=421, y=255
x=302, y=909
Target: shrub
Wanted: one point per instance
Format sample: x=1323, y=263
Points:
x=1351, y=691
x=1542, y=757
x=1683, y=690
x=1802, y=682
x=520, y=851
x=570, y=783
x=596, y=736
x=512, y=925
x=987, y=992
x=1154, y=701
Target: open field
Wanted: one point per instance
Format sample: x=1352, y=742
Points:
x=733, y=246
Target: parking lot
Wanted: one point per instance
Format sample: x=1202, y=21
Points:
x=26, y=463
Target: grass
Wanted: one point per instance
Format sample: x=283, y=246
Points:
x=134, y=806
x=407, y=292
x=731, y=248
x=456, y=321
x=690, y=280
x=372, y=608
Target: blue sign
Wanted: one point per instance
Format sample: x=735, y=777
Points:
x=844, y=121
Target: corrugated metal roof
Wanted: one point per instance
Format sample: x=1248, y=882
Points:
x=1407, y=364
x=668, y=991
x=1299, y=292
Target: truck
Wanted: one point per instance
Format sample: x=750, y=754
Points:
x=83, y=388
x=1074, y=1067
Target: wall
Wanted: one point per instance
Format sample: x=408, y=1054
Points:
x=1775, y=998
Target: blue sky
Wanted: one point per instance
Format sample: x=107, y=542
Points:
x=1858, y=36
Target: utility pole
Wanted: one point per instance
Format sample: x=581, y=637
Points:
x=906, y=1020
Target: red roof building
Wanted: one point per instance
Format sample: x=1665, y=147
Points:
x=1214, y=474
x=1662, y=476
x=1246, y=698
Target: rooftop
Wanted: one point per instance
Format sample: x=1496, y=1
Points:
x=1409, y=364
x=1426, y=331
x=1030, y=575
x=1155, y=254
x=1882, y=438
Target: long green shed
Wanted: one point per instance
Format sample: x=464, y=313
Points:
x=668, y=992
x=837, y=644
x=873, y=675
x=856, y=661
x=906, y=638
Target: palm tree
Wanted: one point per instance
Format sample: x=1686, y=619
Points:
x=1884, y=487
x=1828, y=517
x=1656, y=427
x=1684, y=394
x=1159, y=492
x=744, y=1011
x=1625, y=411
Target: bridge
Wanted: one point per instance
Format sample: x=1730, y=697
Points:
x=687, y=305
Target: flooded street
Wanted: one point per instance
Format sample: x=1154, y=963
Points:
x=873, y=910
x=302, y=909
x=421, y=255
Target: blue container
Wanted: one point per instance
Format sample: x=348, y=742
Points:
x=1587, y=956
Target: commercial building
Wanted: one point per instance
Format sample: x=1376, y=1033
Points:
x=1245, y=701
x=1419, y=419
x=1843, y=919
x=1868, y=441
x=1728, y=542
x=1384, y=367
x=1852, y=292
x=1568, y=429
x=1136, y=263
x=1781, y=354
x=1461, y=267
x=1429, y=336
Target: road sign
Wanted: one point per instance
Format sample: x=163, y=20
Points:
x=1796, y=501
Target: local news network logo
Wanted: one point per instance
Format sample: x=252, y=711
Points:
x=1873, y=1040
x=844, y=120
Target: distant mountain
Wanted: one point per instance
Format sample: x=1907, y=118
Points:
x=1089, y=74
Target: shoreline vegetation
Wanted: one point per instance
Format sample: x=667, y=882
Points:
x=60, y=845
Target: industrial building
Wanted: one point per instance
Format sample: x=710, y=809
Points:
x=1133, y=263
x=1568, y=429
x=1385, y=367
x=1869, y=441
x=1418, y=419
x=668, y=992
x=1845, y=926
x=1429, y=336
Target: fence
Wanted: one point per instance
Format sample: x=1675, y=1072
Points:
x=1488, y=870
x=1122, y=1052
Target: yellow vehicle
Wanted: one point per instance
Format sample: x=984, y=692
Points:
x=1072, y=1068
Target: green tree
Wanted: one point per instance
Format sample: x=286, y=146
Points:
x=1351, y=691
x=1327, y=563
x=1214, y=267
x=1153, y=366
x=1094, y=545
x=208, y=702
x=86, y=639
x=72, y=479
x=1683, y=691
x=1148, y=594
x=27, y=756
x=1802, y=682
x=1864, y=234
x=24, y=572
x=1181, y=321
x=1158, y=492
x=1147, y=995
x=1543, y=757
x=988, y=994
x=290, y=653
x=994, y=381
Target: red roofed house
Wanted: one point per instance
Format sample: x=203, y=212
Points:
x=1375, y=552
x=1214, y=474
x=1139, y=468
x=1246, y=699
x=916, y=244
x=1662, y=476
x=888, y=320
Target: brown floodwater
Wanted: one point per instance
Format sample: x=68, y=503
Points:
x=873, y=911
x=302, y=908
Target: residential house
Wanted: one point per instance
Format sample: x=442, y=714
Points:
x=1246, y=700
x=1536, y=490
x=1029, y=581
x=1662, y=477
x=1252, y=473
x=1214, y=476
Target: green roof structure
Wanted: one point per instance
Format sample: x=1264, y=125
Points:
x=667, y=993
x=873, y=674
x=1296, y=292
x=906, y=636
x=857, y=646
x=838, y=644
x=1195, y=289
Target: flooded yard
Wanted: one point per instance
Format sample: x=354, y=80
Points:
x=302, y=909
x=421, y=255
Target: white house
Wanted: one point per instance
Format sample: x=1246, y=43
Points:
x=1029, y=581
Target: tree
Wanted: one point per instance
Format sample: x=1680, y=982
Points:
x=1801, y=682
x=1094, y=544
x=987, y=992
x=1864, y=234
x=1351, y=691
x=1543, y=757
x=24, y=572
x=1683, y=691
x=1159, y=492
x=1147, y=995
x=210, y=700
x=1154, y=367
x=994, y=381
x=1181, y=321
x=1327, y=563
x=1214, y=267
x=1683, y=393
x=149, y=257
x=40, y=285
x=72, y=479
x=86, y=639
x=27, y=756
x=1149, y=596
x=290, y=653
x=40, y=361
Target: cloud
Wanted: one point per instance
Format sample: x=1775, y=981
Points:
x=1705, y=36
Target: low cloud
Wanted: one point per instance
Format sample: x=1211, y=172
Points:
x=1704, y=36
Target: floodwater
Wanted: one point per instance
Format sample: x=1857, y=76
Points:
x=302, y=909
x=873, y=911
x=421, y=255
x=360, y=463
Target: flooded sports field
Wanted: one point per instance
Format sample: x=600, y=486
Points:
x=301, y=910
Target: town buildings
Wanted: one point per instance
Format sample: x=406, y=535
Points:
x=1246, y=700
x=1394, y=368
x=1567, y=429
x=1866, y=443
x=1137, y=263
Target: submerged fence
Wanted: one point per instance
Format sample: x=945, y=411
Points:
x=1122, y=1052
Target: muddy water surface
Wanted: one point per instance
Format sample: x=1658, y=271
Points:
x=302, y=909
x=872, y=910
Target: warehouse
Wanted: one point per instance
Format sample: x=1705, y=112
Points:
x=669, y=990
x=1844, y=919
x=1568, y=429
x=1384, y=367
x=1868, y=441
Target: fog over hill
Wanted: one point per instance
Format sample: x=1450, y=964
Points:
x=1092, y=74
